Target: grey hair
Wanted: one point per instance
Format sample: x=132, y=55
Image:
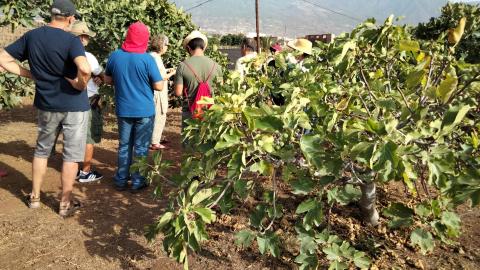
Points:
x=158, y=42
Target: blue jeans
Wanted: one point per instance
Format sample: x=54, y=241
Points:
x=134, y=135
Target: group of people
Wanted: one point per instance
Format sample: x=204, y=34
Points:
x=67, y=80
x=248, y=49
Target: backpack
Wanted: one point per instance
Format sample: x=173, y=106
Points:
x=203, y=90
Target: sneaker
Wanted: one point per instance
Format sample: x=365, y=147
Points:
x=32, y=203
x=89, y=177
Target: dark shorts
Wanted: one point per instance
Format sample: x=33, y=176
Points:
x=95, y=126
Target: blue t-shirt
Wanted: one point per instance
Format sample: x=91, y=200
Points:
x=50, y=53
x=133, y=75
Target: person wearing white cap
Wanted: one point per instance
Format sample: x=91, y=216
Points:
x=95, y=123
x=194, y=70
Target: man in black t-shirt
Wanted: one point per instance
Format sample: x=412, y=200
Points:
x=60, y=70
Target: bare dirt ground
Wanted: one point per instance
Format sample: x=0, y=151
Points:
x=108, y=232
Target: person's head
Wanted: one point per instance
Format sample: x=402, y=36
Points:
x=248, y=46
x=81, y=30
x=275, y=48
x=159, y=44
x=195, y=43
x=137, y=38
x=63, y=12
x=302, y=46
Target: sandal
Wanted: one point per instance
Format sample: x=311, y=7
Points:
x=157, y=146
x=32, y=202
x=69, y=209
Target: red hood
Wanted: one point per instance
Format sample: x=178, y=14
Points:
x=137, y=38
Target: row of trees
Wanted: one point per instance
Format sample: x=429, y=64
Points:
x=109, y=19
x=374, y=107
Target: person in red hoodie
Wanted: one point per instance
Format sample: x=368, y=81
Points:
x=135, y=75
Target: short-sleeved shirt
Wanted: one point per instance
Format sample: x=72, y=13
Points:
x=160, y=65
x=92, y=87
x=202, y=65
x=50, y=53
x=241, y=66
x=133, y=76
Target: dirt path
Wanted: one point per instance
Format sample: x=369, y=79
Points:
x=108, y=232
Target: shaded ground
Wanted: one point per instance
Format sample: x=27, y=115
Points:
x=108, y=232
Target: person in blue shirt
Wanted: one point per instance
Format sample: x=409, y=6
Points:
x=135, y=75
x=60, y=70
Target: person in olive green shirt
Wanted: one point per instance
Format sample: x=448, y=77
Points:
x=186, y=82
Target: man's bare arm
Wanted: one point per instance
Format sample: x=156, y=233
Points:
x=158, y=86
x=178, y=89
x=83, y=73
x=11, y=65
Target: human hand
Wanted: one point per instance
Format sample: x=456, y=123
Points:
x=171, y=72
x=98, y=80
x=76, y=83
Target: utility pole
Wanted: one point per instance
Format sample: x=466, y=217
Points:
x=257, y=25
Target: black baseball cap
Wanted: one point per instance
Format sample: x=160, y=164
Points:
x=64, y=8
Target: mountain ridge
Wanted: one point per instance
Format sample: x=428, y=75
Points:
x=300, y=17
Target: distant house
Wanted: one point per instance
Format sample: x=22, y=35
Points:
x=254, y=35
x=326, y=38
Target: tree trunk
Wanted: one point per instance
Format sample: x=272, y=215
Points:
x=367, y=203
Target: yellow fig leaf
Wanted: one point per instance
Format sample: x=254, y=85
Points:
x=446, y=88
x=343, y=104
x=455, y=34
x=475, y=141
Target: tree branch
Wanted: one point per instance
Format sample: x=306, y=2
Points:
x=357, y=181
x=274, y=183
x=220, y=196
x=405, y=100
x=364, y=79
x=467, y=84
x=429, y=80
x=365, y=106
